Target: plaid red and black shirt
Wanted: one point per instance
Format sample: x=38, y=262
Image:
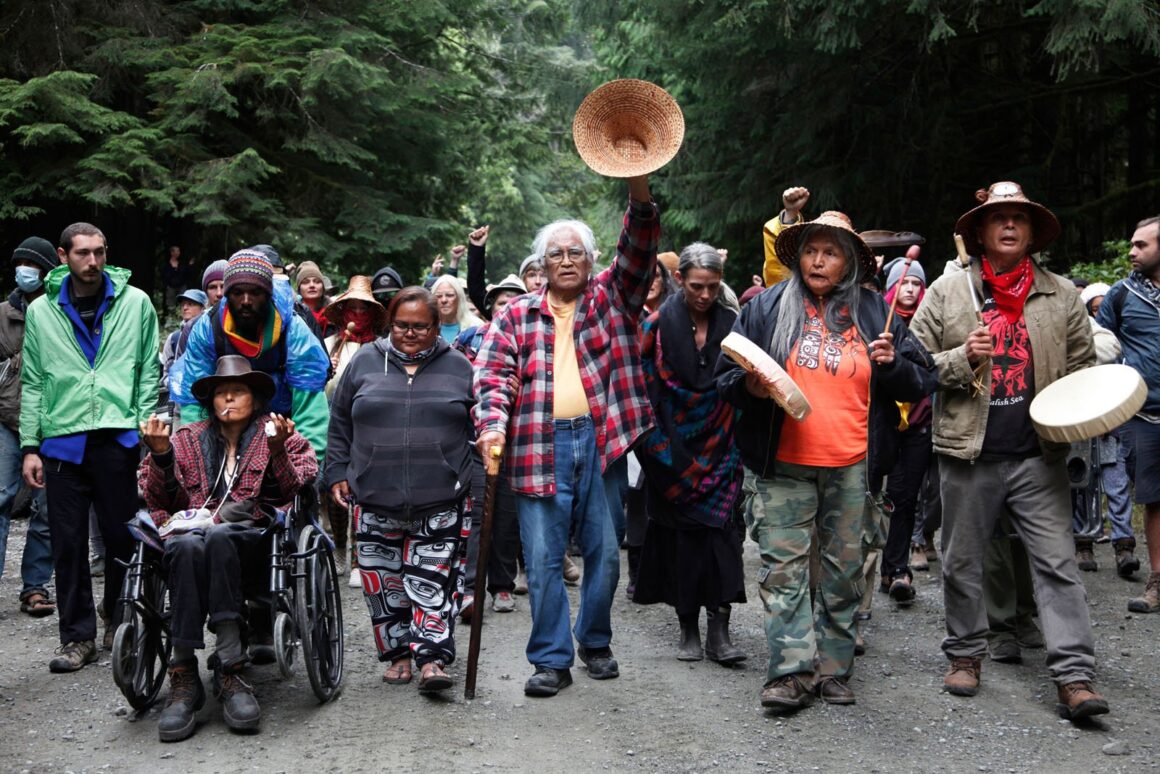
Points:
x=520, y=343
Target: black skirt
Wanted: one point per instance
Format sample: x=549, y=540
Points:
x=687, y=565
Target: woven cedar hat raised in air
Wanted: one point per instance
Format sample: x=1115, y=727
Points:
x=628, y=128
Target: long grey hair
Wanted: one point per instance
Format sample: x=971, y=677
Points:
x=839, y=308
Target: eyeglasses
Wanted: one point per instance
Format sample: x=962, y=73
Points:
x=556, y=254
x=420, y=329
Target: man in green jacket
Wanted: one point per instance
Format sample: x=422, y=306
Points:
x=89, y=380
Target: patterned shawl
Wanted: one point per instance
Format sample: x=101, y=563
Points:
x=689, y=455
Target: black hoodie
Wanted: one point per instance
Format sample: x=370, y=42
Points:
x=403, y=442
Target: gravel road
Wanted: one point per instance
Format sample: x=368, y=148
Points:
x=661, y=715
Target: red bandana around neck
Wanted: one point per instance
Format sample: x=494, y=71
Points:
x=1010, y=289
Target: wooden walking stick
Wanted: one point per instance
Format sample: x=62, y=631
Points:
x=339, y=343
x=494, y=458
x=911, y=257
x=965, y=262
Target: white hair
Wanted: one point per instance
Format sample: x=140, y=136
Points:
x=463, y=316
x=545, y=234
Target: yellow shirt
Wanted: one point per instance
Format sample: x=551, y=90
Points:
x=568, y=397
x=774, y=271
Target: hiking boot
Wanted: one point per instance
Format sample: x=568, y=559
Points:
x=834, y=690
x=918, y=560
x=718, y=646
x=240, y=708
x=962, y=678
x=72, y=656
x=547, y=681
x=788, y=693
x=1084, y=556
x=571, y=572
x=599, y=662
x=1150, y=602
x=1080, y=700
x=1006, y=651
x=931, y=551
x=178, y=719
x=1126, y=561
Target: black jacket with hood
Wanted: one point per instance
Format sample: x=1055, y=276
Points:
x=403, y=442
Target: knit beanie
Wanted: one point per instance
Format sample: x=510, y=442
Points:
x=527, y=263
x=215, y=272
x=894, y=272
x=307, y=269
x=39, y=251
x=249, y=267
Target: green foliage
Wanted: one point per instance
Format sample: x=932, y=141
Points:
x=1112, y=269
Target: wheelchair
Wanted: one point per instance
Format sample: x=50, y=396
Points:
x=305, y=607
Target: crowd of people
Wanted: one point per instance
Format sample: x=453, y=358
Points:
x=621, y=422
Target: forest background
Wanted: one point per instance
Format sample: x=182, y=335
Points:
x=362, y=132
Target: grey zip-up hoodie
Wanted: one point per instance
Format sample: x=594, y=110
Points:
x=403, y=442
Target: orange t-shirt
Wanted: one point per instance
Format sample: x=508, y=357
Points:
x=833, y=371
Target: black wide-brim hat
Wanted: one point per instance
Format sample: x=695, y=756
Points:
x=234, y=368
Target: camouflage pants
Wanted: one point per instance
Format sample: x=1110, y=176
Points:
x=807, y=635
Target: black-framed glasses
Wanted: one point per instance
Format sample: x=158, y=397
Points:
x=420, y=329
x=557, y=254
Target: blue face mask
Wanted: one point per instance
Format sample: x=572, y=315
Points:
x=28, y=279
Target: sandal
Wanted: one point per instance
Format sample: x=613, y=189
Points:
x=398, y=673
x=37, y=604
x=433, y=679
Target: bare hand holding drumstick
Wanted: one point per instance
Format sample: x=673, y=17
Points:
x=979, y=346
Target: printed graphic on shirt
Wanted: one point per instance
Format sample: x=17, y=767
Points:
x=833, y=371
x=1009, y=433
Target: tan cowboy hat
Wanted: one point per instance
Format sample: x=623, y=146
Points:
x=358, y=290
x=1044, y=225
x=628, y=128
x=234, y=368
x=787, y=241
x=509, y=284
x=878, y=237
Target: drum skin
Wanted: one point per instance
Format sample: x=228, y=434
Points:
x=773, y=377
x=1088, y=403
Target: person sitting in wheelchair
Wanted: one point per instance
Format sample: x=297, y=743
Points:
x=211, y=490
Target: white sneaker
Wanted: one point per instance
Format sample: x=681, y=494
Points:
x=355, y=581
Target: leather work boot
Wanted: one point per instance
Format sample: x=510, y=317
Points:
x=240, y=708
x=178, y=719
x=72, y=656
x=835, y=690
x=962, y=678
x=918, y=560
x=1150, y=602
x=718, y=646
x=788, y=693
x=1080, y=700
x=1126, y=561
x=1084, y=555
x=690, y=647
x=571, y=571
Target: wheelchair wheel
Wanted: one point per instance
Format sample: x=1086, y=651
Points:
x=319, y=613
x=285, y=646
x=141, y=643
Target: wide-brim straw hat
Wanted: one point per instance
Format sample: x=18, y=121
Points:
x=879, y=238
x=234, y=368
x=787, y=244
x=628, y=128
x=1044, y=225
x=359, y=289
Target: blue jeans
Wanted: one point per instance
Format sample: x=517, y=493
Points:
x=580, y=505
x=36, y=565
